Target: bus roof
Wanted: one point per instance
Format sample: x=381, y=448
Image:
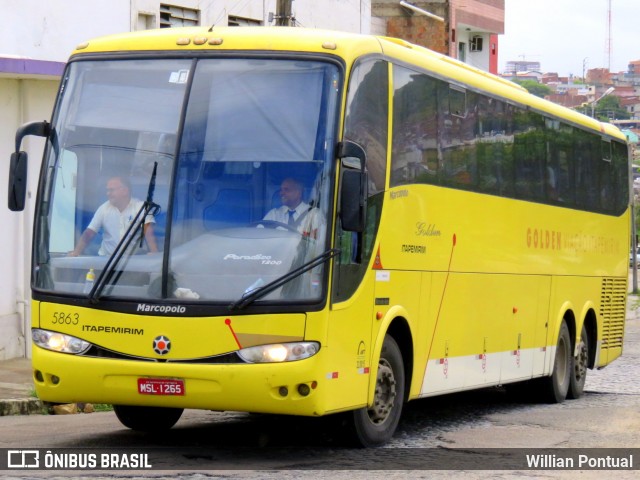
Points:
x=348, y=46
x=284, y=39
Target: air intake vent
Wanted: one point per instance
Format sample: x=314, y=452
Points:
x=613, y=311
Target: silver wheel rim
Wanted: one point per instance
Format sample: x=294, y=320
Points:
x=385, y=394
x=580, y=365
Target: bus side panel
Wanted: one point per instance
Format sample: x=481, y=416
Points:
x=399, y=296
x=349, y=347
x=526, y=353
x=489, y=329
x=383, y=297
x=430, y=290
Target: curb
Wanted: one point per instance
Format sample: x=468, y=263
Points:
x=21, y=406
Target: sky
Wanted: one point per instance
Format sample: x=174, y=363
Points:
x=561, y=34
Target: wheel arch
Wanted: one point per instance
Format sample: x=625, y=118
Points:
x=400, y=330
x=591, y=324
x=569, y=318
x=566, y=314
x=397, y=326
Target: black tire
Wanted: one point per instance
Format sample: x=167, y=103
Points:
x=147, y=419
x=376, y=425
x=554, y=388
x=579, y=366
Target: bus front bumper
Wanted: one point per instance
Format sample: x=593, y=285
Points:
x=286, y=388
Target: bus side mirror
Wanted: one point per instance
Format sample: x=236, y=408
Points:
x=18, y=164
x=17, y=181
x=353, y=203
x=353, y=187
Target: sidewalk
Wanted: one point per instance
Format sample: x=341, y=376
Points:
x=16, y=388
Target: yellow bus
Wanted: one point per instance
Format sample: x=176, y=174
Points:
x=317, y=223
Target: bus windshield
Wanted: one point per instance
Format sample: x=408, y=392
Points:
x=226, y=163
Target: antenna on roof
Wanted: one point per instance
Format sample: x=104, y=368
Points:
x=224, y=12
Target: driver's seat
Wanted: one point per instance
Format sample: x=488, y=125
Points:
x=230, y=208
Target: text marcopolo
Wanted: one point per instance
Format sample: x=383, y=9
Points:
x=145, y=307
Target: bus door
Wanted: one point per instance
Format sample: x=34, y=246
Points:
x=349, y=334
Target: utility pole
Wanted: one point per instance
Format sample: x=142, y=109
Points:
x=283, y=13
x=608, y=40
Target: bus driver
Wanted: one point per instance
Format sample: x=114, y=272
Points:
x=295, y=212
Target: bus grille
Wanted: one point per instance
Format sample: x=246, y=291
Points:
x=613, y=311
x=99, y=352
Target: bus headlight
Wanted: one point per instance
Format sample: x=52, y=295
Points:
x=280, y=352
x=59, y=342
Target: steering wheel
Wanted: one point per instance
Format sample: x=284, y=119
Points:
x=274, y=224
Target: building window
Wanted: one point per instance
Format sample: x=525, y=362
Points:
x=173, y=16
x=146, y=21
x=234, y=21
x=475, y=43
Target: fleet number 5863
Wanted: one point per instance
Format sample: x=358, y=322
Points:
x=63, y=318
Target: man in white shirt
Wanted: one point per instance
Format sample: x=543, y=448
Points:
x=113, y=217
x=296, y=213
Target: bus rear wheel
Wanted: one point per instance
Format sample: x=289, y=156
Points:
x=147, y=419
x=554, y=388
x=376, y=424
x=579, y=367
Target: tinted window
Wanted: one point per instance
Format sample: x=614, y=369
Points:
x=366, y=124
x=446, y=135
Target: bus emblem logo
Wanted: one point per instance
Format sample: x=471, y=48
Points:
x=161, y=345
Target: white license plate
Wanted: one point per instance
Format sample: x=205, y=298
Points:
x=160, y=386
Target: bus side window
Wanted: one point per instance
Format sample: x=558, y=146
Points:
x=415, y=156
x=366, y=118
x=457, y=115
x=66, y=200
x=619, y=180
x=587, y=180
x=530, y=156
x=366, y=123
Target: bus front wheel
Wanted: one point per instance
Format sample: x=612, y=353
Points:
x=376, y=424
x=147, y=419
x=579, y=366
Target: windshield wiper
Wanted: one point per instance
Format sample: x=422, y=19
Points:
x=260, y=292
x=147, y=208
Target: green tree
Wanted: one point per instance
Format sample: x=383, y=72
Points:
x=535, y=88
x=609, y=108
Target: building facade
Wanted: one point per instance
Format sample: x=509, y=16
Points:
x=464, y=29
x=514, y=67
